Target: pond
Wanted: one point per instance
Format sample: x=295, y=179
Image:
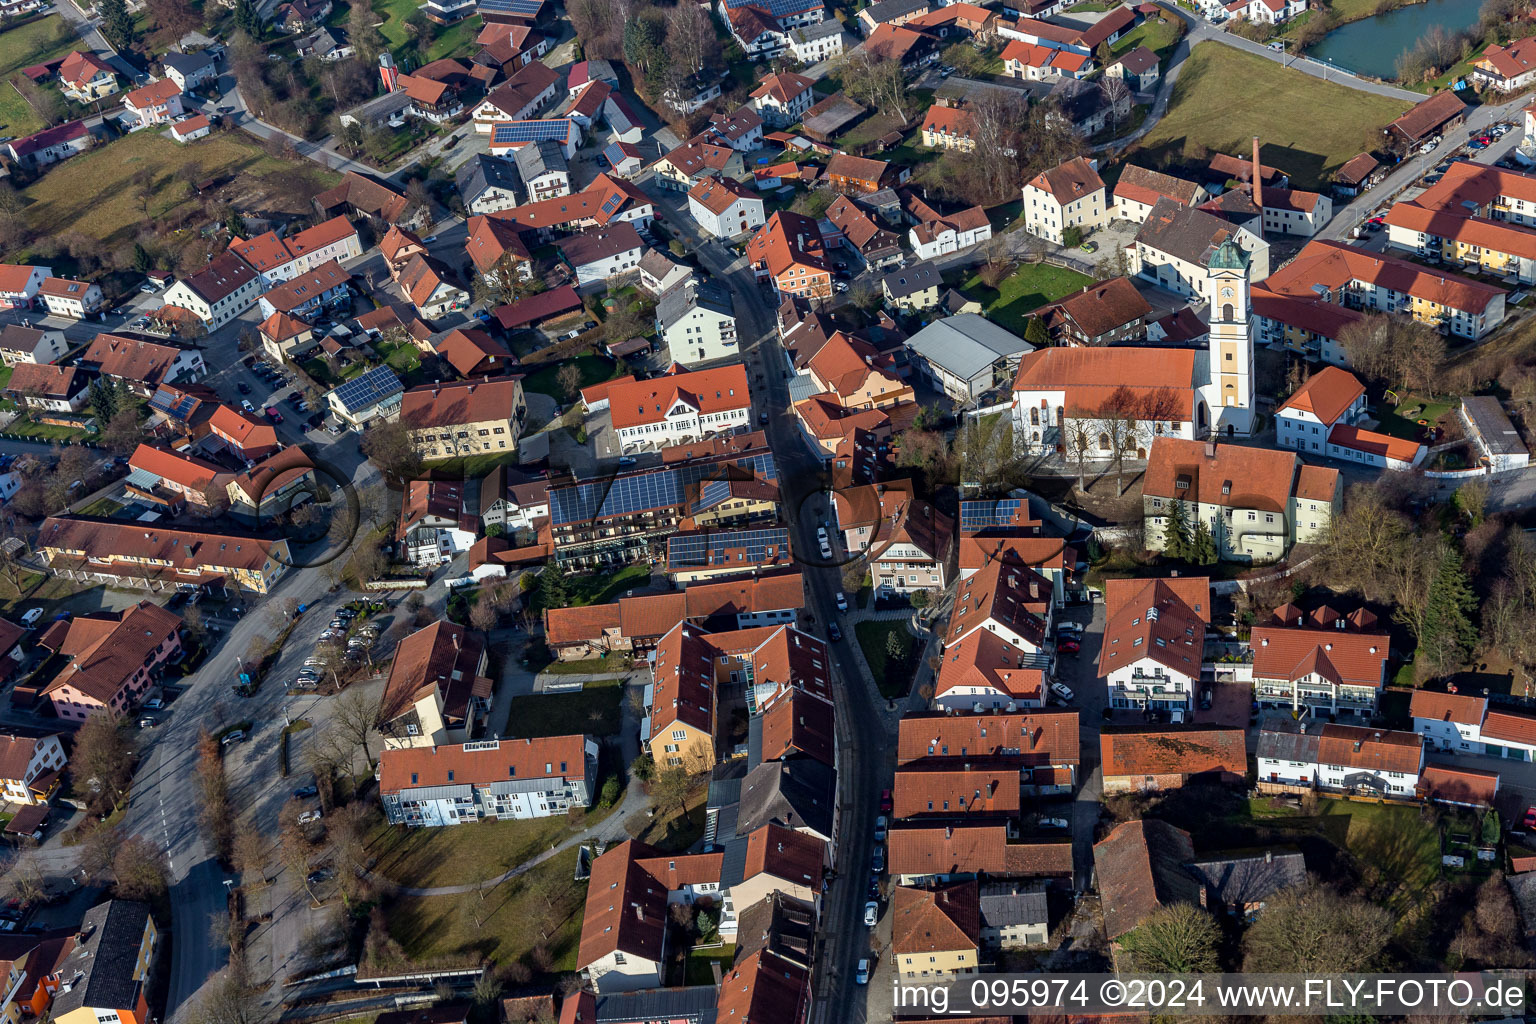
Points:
x=1371, y=47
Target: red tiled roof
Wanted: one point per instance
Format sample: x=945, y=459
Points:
x=105, y=649
x=648, y=401
x=1035, y=738
x=459, y=402
x=1461, y=708
x=970, y=849
x=785, y=853
x=947, y=919
x=1445, y=784
x=1069, y=181
x=1354, y=746
x=1510, y=727
x=1342, y=657
x=1140, y=867
x=545, y=757
x=946, y=790
x=1176, y=751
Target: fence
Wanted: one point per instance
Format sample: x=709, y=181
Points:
x=400, y=584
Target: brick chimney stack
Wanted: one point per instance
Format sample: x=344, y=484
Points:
x=1258, y=185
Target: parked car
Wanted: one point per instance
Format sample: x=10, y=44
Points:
x=871, y=913
x=1530, y=818
x=842, y=601
x=305, y=792
x=1069, y=646
x=1205, y=699
x=1055, y=823
x=887, y=804
x=880, y=829
x=877, y=860
x=243, y=388
x=1063, y=692
x=30, y=616
x=154, y=704
x=316, y=877
x=273, y=414
x=833, y=633
x=309, y=816
x=247, y=406
x=234, y=737
x=626, y=460
x=861, y=976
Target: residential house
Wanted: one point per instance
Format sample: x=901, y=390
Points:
x=966, y=356
x=908, y=543
x=697, y=322
x=660, y=274
x=724, y=208
x=298, y=15
x=543, y=168
x=361, y=196
x=1329, y=672
x=1506, y=68
x=433, y=526
x=1140, y=868
x=1256, y=502
x=472, y=352
x=1111, y=312
x=936, y=933
x=1142, y=759
x=703, y=156
x=86, y=78
x=489, y=184
x=21, y=285
x=155, y=103
x=513, y=500
x=487, y=779
x=624, y=926
x=921, y=854
x=244, y=437
x=169, y=478
x=1043, y=743
x=1014, y=915
x=273, y=486
x=327, y=44
x=599, y=254
x=1154, y=642
x=496, y=248
x=1266, y=12
x=142, y=365
x=19, y=344
x=1087, y=107
x=377, y=394
x=49, y=388
x=782, y=99
x=1358, y=174
x=279, y=259
x=1139, y=189
x=912, y=288
x=218, y=293
x=997, y=652
x=1175, y=246
x=1329, y=397
x=890, y=12
x=283, y=337
x=901, y=45
x=1069, y=195
x=189, y=70
x=1474, y=216
x=468, y=417
x=1461, y=723
x=107, y=660
x=107, y=973
x=812, y=44
x=1458, y=787
x=1140, y=68
x=936, y=234
x=1332, y=272
x=30, y=768
x=694, y=92
x=311, y=294
x=756, y=31
x=519, y=98
x=764, y=986
x=1034, y=62
x=788, y=251
x=436, y=692
x=162, y=558
x=428, y=283
x=49, y=146
x=703, y=555
x=1339, y=758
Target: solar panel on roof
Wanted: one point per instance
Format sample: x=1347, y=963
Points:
x=652, y=489
x=978, y=515
x=778, y=8
x=612, y=203
x=712, y=548
x=508, y=132
x=525, y=8
x=361, y=392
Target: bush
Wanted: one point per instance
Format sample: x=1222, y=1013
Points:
x=610, y=793
x=1072, y=237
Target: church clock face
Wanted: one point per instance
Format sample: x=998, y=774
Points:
x=1226, y=293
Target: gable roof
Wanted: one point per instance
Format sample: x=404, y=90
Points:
x=1342, y=657
x=1160, y=619
x=441, y=657
x=1068, y=181
x=1236, y=476
x=944, y=919
x=1140, y=867
x=1376, y=750
x=640, y=402
x=1460, y=708
x=973, y=849
x=1034, y=737
x=105, y=649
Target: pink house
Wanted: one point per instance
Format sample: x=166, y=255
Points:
x=111, y=658
x=154, y=103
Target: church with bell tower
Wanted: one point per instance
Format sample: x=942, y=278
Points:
x=1228, y=390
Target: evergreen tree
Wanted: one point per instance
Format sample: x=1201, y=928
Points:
x=102, y=399
x=116, y=23
x=1036, y=334
x=1448, y=635
x=1176, y=533
x=143, y=262
x=1202, y=546
x=552, y=592
x=248, y=18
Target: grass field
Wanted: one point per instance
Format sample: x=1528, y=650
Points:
x=542, y=907
x=1307, y=127
x=427, y=857
x=92, y=192
x=594, y=370
x=1026, y=289
x=594, y=709
x=893, y=678
x=600, y=588
x=33, y=43
x=1397, y=421
x=446, y=41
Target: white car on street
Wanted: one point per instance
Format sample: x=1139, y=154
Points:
x=1062, y=691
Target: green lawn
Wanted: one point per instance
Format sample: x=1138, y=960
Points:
x=601, y=588
x=402, y=357
x=504, y=924
x=1403, y=420
x=1025, y=290
x=893, y=678
x=546, y=381
x=23, y=427
x=1308, y=127
x=445, y=42
x=428, y=857
x=1157, y=34
x=594, y=709
x=101, y=508
x=471, y=465
x=699, y=959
